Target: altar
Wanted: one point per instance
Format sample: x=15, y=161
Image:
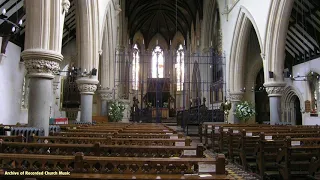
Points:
x=163, y=112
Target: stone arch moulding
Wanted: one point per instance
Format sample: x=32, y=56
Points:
x=274, y=45
x=288, y=93
x=256, y=67
x=291, y=89
x=239, y=47
x=104, y=21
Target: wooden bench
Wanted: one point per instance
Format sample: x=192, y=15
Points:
x=294, y=158
x=102, y=150
x=267, y=150
x=148, y=136
x=86, y=166
x=83, y=134
x=114, y=141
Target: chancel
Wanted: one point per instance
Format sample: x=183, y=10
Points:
x=159, y=89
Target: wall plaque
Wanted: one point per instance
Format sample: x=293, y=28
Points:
x=307, y=105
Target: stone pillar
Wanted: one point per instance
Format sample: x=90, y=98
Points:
x=87, y=87
x=42, y=55
x=126, y=113
x=106, y=96
x=41, y=65
x=234, y=98
x=275, y=91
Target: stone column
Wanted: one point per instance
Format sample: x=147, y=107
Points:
x=234, y=98
x=275, y=91
x=106, y=96
x=42, y=55
x=87, y=88
x=126, y=113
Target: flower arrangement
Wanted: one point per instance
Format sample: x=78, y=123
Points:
x=116, y=110
x=244, y=111
x=165, y=104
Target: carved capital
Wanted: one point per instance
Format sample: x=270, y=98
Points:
x=87, y=85
x=87, y=88
x=275, y=90
x=65, y=5
x=106, y=94
x=235, y=97
x=41, y=63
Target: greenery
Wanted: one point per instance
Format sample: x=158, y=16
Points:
x=116, y=110
x=244, y=111
x=165, y=104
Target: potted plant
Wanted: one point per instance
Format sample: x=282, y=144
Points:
x=244, y=111
x=116, y=110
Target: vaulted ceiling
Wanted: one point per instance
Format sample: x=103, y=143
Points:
x=165, y=17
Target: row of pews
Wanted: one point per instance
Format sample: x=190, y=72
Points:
x=271, y=151
x=108, y=151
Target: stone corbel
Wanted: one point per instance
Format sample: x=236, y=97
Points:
x=235, y=96
x=106, y=94
x=65, y=6
x=2, y=56
x=117, y=7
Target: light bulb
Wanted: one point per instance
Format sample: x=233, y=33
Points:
x=20, y=22
x=13, y=29
x=4, y=11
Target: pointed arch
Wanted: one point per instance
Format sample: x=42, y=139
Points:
x=196, y=81
x=275, y=40
x=157, y=62
x=287, y=104
x=240, y=41
x=179, y=66
x=135, y=67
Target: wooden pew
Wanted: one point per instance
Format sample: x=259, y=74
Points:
x=267, y=150
x=84, y=166
x=82, y=134
x=114, y=141
x=294, y=158
x=148, y=136
x=102, y=150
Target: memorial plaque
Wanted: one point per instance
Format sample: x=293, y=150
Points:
x=307, y=105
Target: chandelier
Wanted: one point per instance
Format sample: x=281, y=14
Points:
x=15, y=27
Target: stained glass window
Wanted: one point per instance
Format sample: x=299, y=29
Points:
x=135, y=67
x=157, y=63
x=180, y=68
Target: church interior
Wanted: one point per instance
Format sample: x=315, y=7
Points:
x=159, y=89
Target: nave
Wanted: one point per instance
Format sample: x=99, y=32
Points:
x=107, y=151
x=159, y=151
